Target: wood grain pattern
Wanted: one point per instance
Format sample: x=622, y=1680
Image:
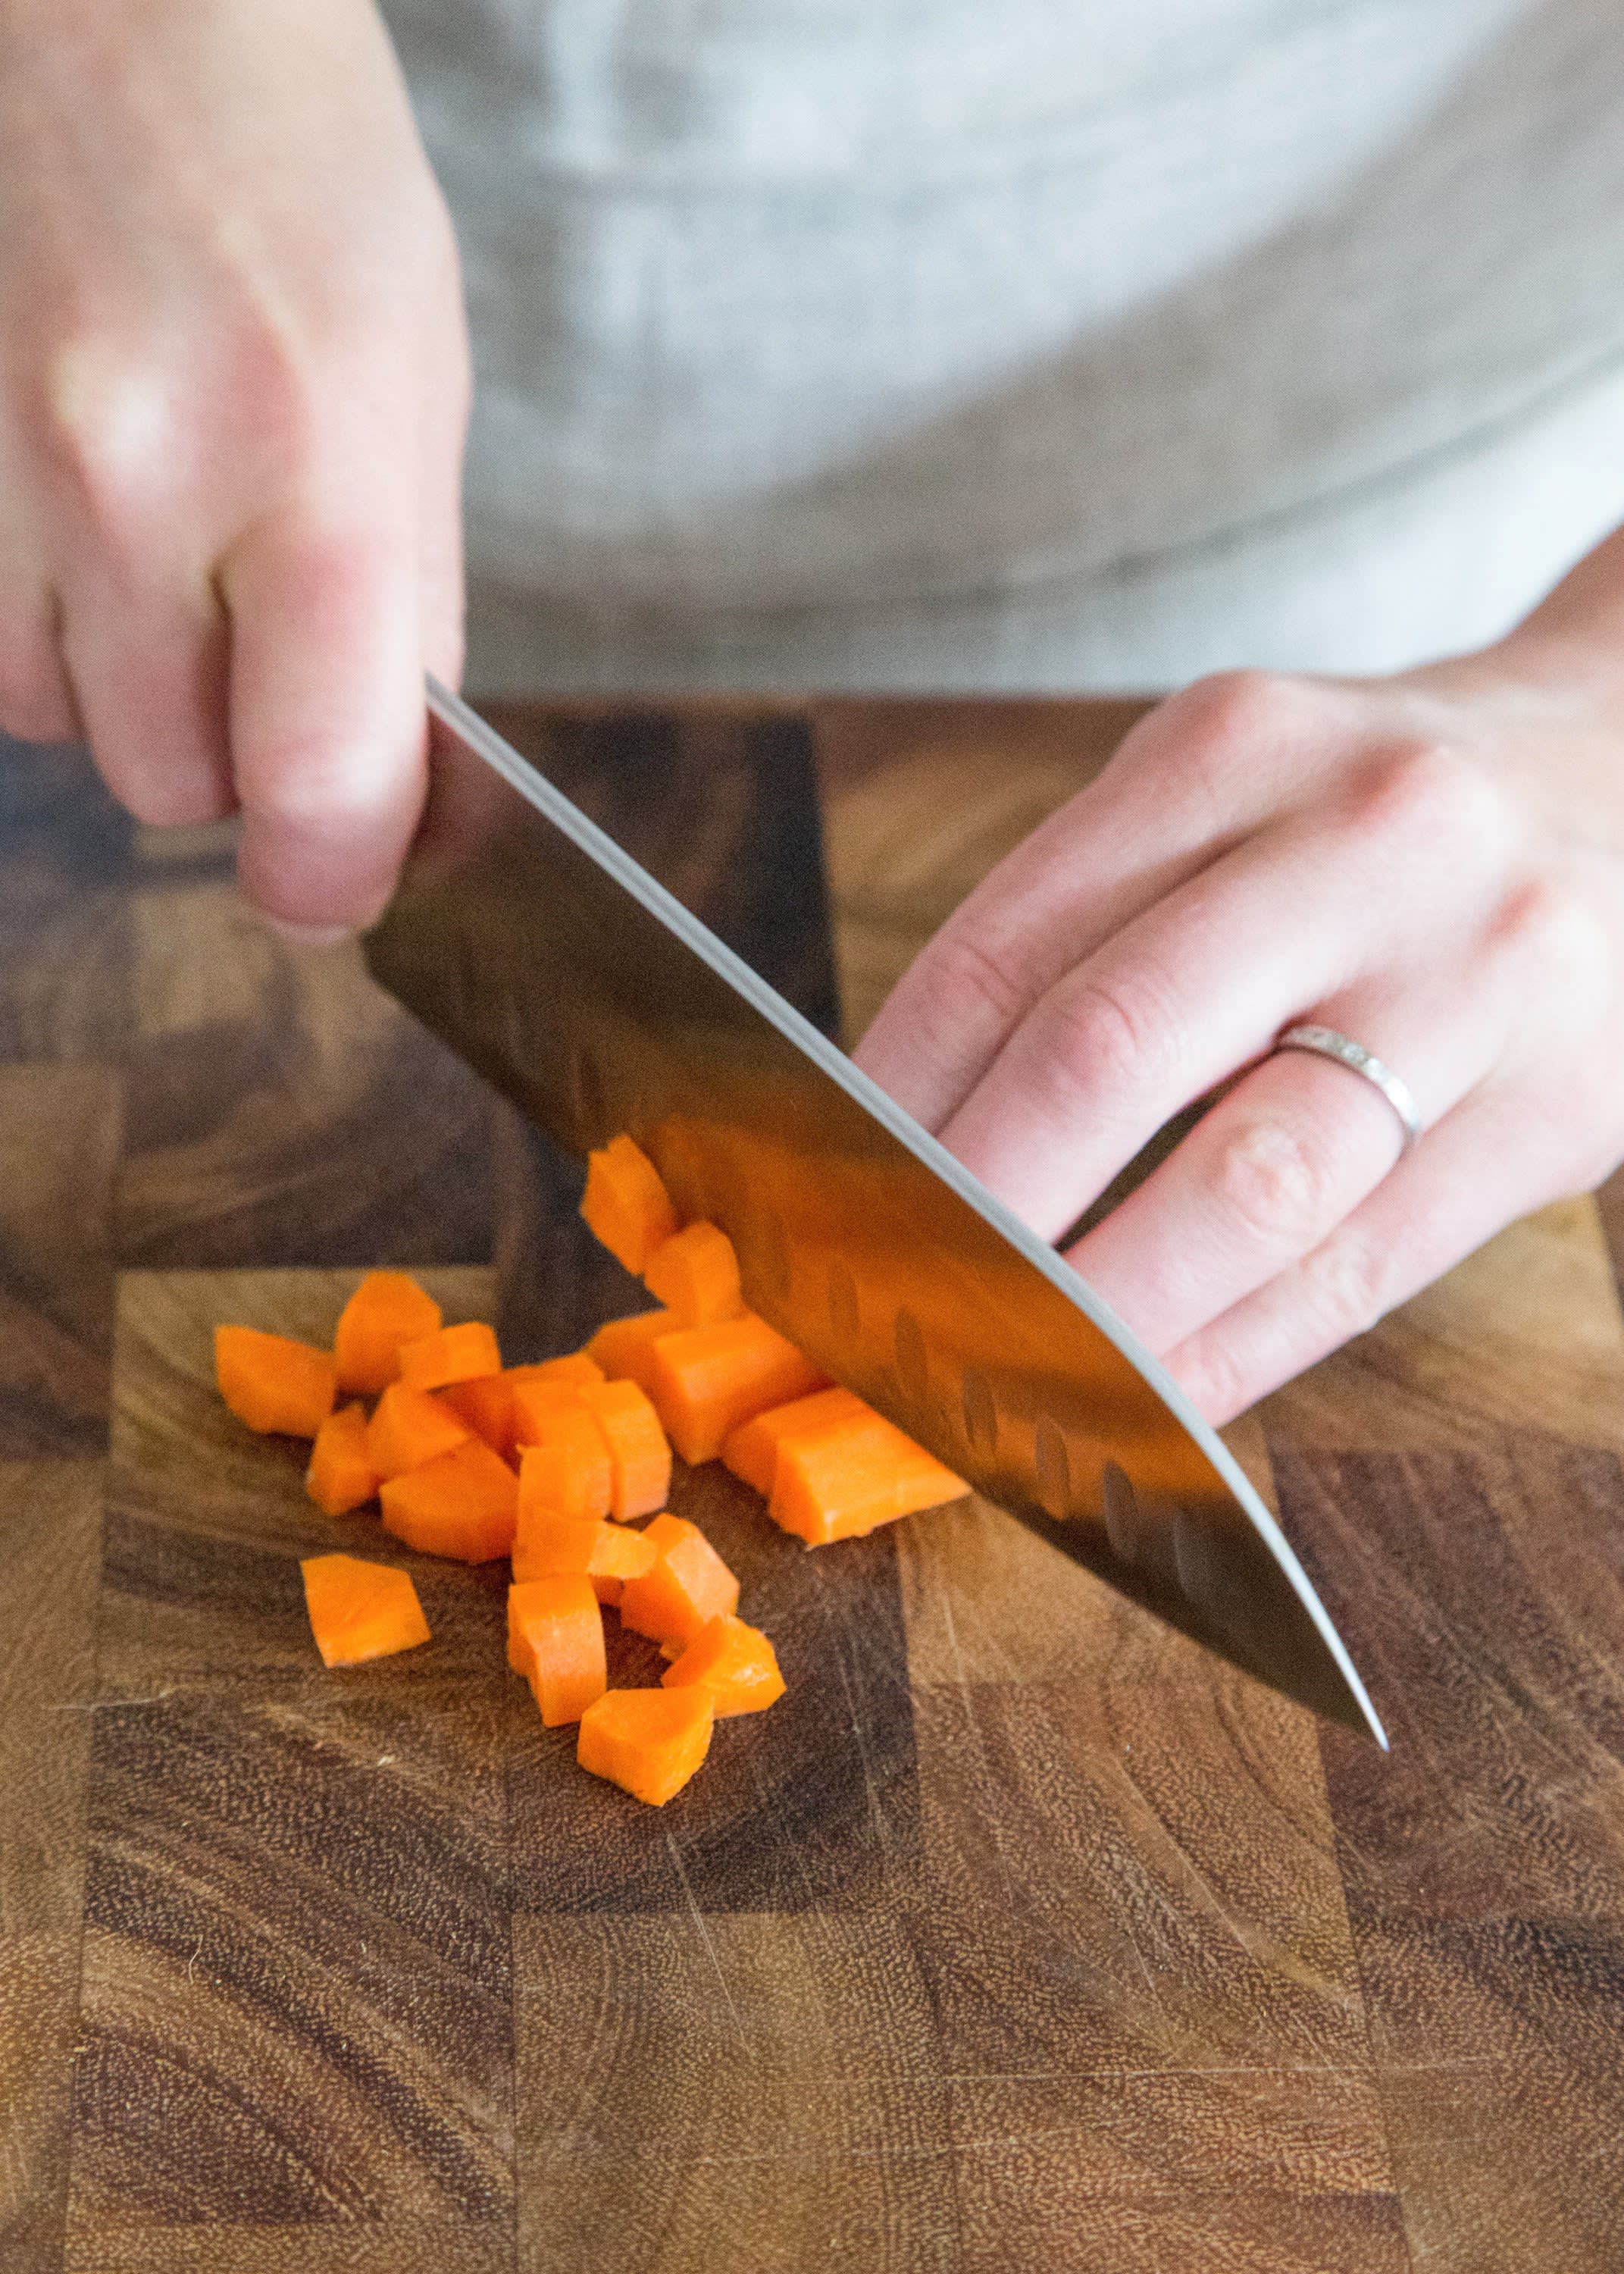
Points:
x=801, y=2118
x=257, y=1078
x=310, y=1872
x=1484, y=1864
x=50, y=1524
x=59, y=1136
x=1021, y=1936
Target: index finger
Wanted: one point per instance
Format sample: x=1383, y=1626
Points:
x=327, y=724
x=1187, y=784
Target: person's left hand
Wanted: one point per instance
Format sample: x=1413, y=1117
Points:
x=1433, y=865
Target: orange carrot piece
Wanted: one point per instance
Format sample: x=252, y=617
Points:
x=278, y=1387
x=546, y=1543
x=555, y=1639
x=706, y=1381
x=409, y=1426
x=688, y=1583
x=569, y=1470
x=626, y=1204
x=341, y=1475
x=735, y=1663
x=649, y=1741
x=462, y=1504
x=360, y=1610
x=696, y=1275
x=843, y=1483
x=575, y=1369
x=486, y=1404
x=752, y=1452
x=461, y=1354
x=537, y=1405
x=489, y=1404
x=387, y=1309
x=624, y=1348
x=639, y=1452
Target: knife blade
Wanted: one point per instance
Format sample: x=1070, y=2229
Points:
x=535, y=947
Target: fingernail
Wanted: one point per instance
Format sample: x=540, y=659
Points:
x=299, y=935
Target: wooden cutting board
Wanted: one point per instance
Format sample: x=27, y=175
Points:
x=1020, y=1936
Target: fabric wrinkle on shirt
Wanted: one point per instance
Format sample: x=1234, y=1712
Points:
x=1057, y=345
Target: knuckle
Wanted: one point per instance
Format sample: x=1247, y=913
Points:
x=1101, y=1037
x=123, y=427
x=1234, y=712
x=1211, y=1375
x=1274, y=1182
x=1433, y=797
x=1347, y=1284
x=1558, y=929
x=974, y=974
x=101, y=428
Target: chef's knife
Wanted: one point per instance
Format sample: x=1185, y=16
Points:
x=541, y=952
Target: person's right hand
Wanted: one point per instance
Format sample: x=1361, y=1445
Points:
x=233, y=396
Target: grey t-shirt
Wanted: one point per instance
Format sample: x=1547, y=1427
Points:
x=1056, y=344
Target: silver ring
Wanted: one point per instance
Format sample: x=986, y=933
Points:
x=1325, y=1042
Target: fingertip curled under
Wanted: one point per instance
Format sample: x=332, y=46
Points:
x=190, y=803
x=313, y=885
x=303, y=935
x=38, y=719
x=307, y=918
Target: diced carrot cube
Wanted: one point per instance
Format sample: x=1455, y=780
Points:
x=387, y=1309
x=555, y=1639
x=649, y=1741
x=546, y=1543
x=626, y=1204
x=625, y=1347
x=360, y=1610
x=462, y=1504
x=688, y=1584
x=537, y=1405
x=410, y=1427
x=735, y=1663
x=277, y=1386
x=696, y=1275
x=486, y=1404
x=461, y=1354
x=568, y=1471
x=341, y=1475
x=639, y=1452
x=752, y=1452
x=840, y=1484
x=505, y=1408
x=706, y=1381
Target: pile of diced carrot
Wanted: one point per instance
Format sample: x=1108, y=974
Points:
x=553, y=1464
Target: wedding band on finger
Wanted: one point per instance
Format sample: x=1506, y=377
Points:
x=1325, y=1042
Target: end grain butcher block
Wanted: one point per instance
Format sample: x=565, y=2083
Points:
x=1019, y=1935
